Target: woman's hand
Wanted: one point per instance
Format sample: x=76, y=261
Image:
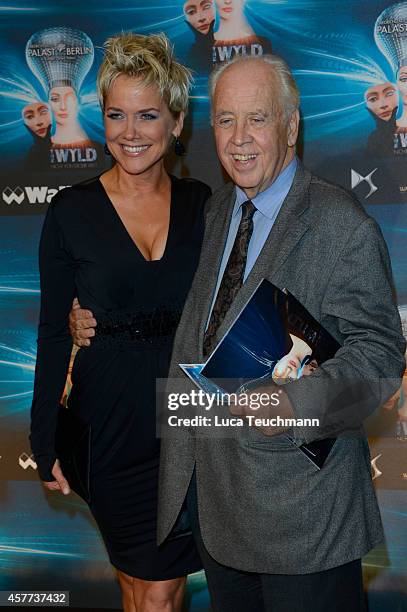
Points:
x=60, y=483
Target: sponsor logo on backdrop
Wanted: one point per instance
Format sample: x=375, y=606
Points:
x=224, y=53
x=27, y=461
x=30, y=195
x=60, y=51
x=357, y=179
x=375, y=470
x=73, y=157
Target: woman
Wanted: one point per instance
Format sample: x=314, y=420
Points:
x=233, y=24
x=296, y=363
x=235, y=36
x=402, y=87
x=63, y=101
x=401, y=122
x=200, y=17
x=382, y=103
x=37, y=119
x=127, y=245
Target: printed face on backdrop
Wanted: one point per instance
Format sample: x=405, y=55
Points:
x=382, y=99
x=37, y=118
x=200, y=15
x=254, y=140
x=139, y=126
x=229, y=9
x=64, y=104
x=402, y=83
x=296, y=363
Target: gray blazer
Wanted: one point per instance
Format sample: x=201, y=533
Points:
x=263, y=506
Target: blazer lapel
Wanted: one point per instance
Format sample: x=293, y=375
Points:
x=286, y=232
x=216, y=233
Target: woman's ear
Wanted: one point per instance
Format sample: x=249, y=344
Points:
x=179, y=124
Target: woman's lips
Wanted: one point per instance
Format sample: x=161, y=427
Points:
x=227, y=9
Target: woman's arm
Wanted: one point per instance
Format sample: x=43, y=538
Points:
x=57, y=278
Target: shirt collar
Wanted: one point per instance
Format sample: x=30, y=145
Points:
x=268, y=200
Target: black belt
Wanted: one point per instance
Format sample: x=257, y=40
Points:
x=146, y=327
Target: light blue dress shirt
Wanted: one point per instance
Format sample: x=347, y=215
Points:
x=268, y=204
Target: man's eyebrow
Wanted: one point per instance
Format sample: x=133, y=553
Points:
x=223, y=112
x=259, y=111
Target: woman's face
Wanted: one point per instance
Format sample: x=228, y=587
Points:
x=228, y=8
x=139, y=126
x=37, y=118
x=289, y=366
x=402, y=83
x=64, y=104
x=200, y=15
x=382, y=100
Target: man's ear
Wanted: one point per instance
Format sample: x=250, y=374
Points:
x=292, y=128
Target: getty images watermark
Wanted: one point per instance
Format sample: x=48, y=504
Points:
x=210, y=402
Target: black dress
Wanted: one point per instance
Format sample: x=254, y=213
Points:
x=85, y=251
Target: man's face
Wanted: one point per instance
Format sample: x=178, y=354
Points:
x=382, y=100
x=253, y=139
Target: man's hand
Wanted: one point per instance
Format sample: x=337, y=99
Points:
x=269, y=410
x=60, y=483
x=81, y=324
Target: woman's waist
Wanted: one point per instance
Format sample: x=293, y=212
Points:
x=143, y=327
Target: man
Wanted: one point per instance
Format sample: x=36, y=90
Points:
x=275, y=532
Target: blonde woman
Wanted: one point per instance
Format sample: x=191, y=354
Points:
x=127, y=245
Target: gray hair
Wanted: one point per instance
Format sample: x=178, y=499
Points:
x=290, y=95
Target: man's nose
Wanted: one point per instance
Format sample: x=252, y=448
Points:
x=241, y=134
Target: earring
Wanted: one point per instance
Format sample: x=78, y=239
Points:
x=179, y=148
x=106, y=148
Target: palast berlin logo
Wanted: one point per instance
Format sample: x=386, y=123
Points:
x=30, y=195
x=357, y=178
x=27, y=461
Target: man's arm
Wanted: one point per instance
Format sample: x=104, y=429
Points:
x=359, y=308
x=81, y=324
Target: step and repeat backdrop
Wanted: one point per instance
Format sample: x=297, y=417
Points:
x=350, y=61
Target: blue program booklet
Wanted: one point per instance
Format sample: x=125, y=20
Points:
x=273, y=338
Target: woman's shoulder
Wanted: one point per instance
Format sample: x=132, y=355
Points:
x=73, y=196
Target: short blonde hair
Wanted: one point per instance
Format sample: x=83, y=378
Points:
x=150, y=58
x=290, y=95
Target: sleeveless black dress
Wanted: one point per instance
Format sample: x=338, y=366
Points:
x=85, y=251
